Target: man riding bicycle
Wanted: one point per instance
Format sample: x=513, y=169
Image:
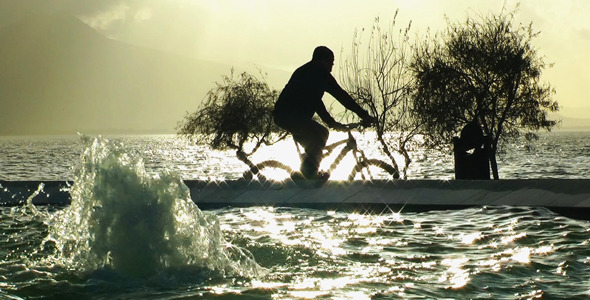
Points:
x=302, y=98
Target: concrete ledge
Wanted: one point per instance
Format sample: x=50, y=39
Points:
x=17, y=192
x=567, y=193
x=525, y=192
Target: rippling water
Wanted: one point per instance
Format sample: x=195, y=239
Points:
x=132, y=232
x=493, y=253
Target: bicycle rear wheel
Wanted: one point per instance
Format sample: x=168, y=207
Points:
x=377, y=163
x=267, y=164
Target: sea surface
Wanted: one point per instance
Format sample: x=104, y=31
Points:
x=132, y=231
x=553, y=155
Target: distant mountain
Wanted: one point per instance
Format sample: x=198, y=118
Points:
x=566, y=123
x=59, y=76
x=572, y=118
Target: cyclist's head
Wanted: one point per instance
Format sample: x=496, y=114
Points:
x=324, y=56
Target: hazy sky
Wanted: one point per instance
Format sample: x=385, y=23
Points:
x=282, y=34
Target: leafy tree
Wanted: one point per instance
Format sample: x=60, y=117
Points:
x=234, y=113
x=485, y=69
x=377, y=74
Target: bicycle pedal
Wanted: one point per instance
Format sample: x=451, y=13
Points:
x=322, y=176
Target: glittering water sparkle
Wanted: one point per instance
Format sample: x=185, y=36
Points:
x=484, y=252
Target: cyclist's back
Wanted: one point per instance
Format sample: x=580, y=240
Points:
x=302, y=98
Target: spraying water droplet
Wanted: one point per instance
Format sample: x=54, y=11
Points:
x=121, y=218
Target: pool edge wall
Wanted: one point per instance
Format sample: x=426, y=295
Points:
x=566, y=196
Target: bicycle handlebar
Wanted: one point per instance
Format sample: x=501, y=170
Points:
x=354, y=125
x=349, y=127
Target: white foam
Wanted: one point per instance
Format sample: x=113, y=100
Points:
x=139, y=225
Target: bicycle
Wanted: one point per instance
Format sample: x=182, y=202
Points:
x=362, y=165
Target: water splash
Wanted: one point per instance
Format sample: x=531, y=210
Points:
x=121, y=218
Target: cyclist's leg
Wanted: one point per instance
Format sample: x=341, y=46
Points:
x=313, y=137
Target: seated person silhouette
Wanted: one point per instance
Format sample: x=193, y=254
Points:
x=302, y=98
x=472, y=136
x=471, y=153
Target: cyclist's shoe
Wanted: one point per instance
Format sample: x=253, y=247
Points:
x=297, y=176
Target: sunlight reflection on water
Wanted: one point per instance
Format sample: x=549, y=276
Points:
x=496, y=252
x=410, y=251
x=52, y=158
x=473, y=253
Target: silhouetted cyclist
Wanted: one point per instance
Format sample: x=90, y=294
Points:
x=302, y=98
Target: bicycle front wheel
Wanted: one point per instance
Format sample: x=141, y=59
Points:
x=368, y=166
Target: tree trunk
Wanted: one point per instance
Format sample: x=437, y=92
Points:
x=388, y=153
x=493, y=162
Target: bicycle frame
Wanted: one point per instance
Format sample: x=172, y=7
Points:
x=351, y=145
x=362, y=162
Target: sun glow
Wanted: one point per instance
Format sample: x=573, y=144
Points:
x=284, y=152
x=287, y=153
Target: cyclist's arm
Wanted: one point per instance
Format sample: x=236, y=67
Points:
x=324, y=114
x=344, y=98
x=327, y=118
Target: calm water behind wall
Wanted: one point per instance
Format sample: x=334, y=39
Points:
x=554, y=155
